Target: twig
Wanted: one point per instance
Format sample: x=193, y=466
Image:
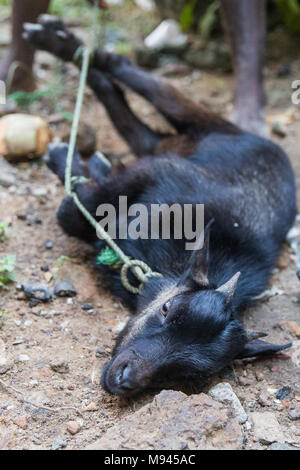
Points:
x=28, y=402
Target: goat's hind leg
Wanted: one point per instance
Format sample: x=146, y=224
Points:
x=186, y=116
x=141, y=139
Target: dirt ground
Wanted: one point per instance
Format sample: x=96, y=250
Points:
x=56, y=350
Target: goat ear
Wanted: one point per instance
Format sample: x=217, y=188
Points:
x=258, y=347
x=228, y=289
x=199, y=261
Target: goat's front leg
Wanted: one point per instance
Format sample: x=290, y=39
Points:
x=105, y=185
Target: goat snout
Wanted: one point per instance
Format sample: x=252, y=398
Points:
x=126, y=374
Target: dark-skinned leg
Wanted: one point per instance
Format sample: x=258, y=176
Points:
x=20, y=50
x=245, y=24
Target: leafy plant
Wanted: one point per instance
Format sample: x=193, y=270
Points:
x=187, y=17
x=63, y=258
x=53, y=92
x=4, y=231
x=7, y=266
x=208, y=20
x=290, y=11
x=26, y=98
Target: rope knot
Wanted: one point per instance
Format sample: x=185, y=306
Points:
x=140, y=270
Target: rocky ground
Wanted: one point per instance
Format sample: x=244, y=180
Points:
x=51, y=354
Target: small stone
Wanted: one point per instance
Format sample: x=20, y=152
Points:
x=48, y=245
x=60, y=366
x=64, y=289
x=58, y=444
x=266, y=428
x=259, y=376
x=167, y=34
x=294, y=415
x=283, y=393
x=294, y=327
x=87, y=307
x=281, y=446
x=21, y=422
x=48, y=276
x=24, y=358
x=45, y=268
x=38, y=192
x=279, y=129
x=22, y=215
x=264, y=399
x=73, y=427
x=90, y=407
x=100, y=352
x=21, y=296
x=223, y=393
x=36, y=291
x=244, y=381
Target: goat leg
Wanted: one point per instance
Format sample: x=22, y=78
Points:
x=186, y=116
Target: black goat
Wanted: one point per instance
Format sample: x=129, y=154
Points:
x=187, y=321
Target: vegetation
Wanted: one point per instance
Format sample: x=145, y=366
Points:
x=7, y=267
x=4, y=231
x=53, y=92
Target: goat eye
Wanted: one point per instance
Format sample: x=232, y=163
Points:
x=165, y=308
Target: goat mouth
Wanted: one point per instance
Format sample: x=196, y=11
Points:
x=124, y=378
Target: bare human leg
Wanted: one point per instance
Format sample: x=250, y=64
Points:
x=21, y=52
x=245, y=24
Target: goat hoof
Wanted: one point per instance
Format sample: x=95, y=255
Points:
x=51, y=21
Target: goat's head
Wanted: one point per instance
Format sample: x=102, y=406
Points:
x=190, y=328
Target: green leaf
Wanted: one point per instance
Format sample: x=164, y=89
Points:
x=4, y=231
x=208, y=20
x=290, y=11
x=63, y=258
x=7, y=266
x=187, y=16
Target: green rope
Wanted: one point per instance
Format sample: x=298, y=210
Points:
x=108, y=257
x=138, y=268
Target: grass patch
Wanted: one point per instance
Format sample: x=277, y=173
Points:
x=53, y=93
x=4, y=231
x=63, y=258
x=7, y=267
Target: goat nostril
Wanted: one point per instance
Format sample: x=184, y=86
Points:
x=123, y=377
x=126, y=373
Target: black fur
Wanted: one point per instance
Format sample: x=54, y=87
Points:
x=247, y=186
